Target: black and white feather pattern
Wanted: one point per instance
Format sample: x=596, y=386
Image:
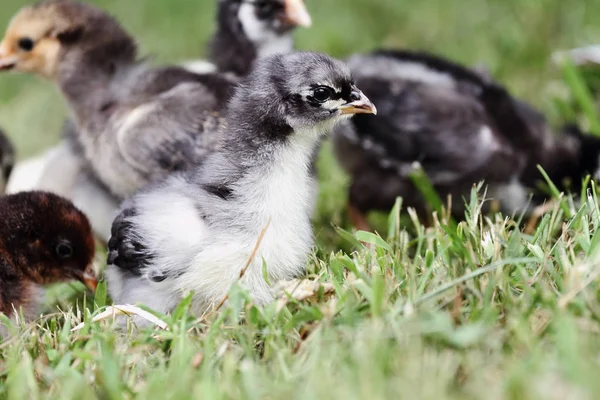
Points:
x=247, y=32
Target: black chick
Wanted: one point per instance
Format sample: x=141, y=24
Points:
x=459, y=125
x=7, y=160
x=251, y=30
x=44, y=239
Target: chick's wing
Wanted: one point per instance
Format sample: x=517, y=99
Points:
x=175, y=126
x=448, y=132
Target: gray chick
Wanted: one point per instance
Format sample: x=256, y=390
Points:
x=7, y=160
x=195, y=231
x=136, y=123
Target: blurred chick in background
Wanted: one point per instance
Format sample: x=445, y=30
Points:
x=7, y=160
x=253, y=29
x=44, y=239
x=460, y=126
x=250, y=30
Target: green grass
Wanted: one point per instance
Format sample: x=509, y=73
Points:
x=476, y=310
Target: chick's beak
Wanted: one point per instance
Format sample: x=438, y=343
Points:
x=88, y=278
x=8, y=60
x=297, y=14
x=361, y=106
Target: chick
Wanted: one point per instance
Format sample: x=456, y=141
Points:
x=135, y=123
x=44, y=239
x=459, y=125
x=196, y=231
x=251, y=30
x=7, y=160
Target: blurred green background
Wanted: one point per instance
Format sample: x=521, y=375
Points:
x=513, y=38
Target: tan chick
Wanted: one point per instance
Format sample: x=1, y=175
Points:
x=135, y=123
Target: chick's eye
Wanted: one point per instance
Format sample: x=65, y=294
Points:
x=64, y=250
x=26, y=44
x=322, y=94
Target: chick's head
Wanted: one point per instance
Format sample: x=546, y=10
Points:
x=41, y=37
x=47, y=238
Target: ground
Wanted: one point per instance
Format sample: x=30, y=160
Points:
x=481, y=310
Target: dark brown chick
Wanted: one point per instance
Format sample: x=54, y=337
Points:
x=44, y=239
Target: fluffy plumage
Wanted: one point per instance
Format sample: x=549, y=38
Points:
x=461, y=126
x=44, y=239
x=7, y=160
x=135, y=123
x=195, y=231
